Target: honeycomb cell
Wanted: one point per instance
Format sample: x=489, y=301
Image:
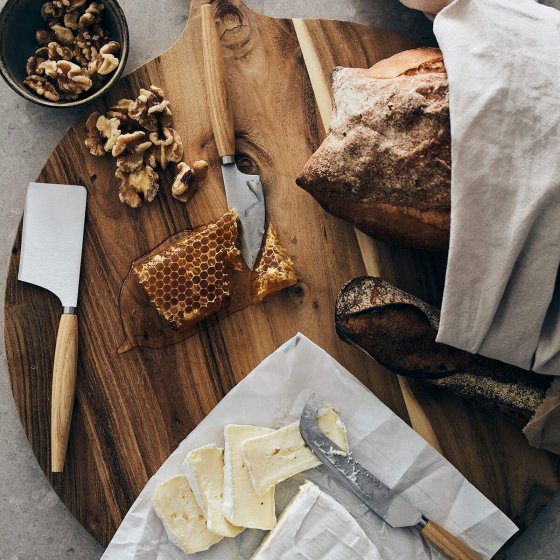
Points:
x=189, y=279
x=274, y=270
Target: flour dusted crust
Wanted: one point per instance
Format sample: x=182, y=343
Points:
x=399, y=331
x=385, y=164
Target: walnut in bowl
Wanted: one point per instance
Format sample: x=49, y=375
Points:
x=62, y=53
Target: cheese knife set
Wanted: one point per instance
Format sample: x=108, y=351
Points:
x=296, y=459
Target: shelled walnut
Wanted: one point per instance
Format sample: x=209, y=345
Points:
x=71, y=78
x=52, y=13
x=138, y=133
x=94, y=139
x=75, y=34
x=129, y=151
x=42, y=86
x=44, y=37
x=91, y=16
x=137, y=186
x=106, y=61
x=55, y=51
x=150, y=109
x=186, y=180
x=165, y=148
x=47, y=68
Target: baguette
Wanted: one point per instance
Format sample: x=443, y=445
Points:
x=399, y=331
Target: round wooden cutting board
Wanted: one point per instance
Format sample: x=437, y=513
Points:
x=133, y=409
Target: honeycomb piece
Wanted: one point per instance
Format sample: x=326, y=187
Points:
x=274, y=270
x=189, y=279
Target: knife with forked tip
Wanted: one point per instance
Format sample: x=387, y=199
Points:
x=385, y=502
x=243, y=192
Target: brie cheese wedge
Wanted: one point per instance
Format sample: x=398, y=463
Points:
x=204, y=469
x=315, y=526
x=175, y=504
x=241, y=505
x=276, y=456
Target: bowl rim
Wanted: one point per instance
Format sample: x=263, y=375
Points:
x=120, y=20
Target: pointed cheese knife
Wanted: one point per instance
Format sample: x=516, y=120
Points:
x=51, y=253
x=243, y=192
x=381, y=499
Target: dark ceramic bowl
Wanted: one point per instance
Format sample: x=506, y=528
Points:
x=20, y=19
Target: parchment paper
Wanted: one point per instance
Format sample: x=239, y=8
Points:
x=274, y=394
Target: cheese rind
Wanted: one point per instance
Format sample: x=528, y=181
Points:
x=204, y=469
x=274, y=457
x=315, y=526
x=184, y=522
x=241, y=505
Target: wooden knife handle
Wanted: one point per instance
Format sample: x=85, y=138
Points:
x=447, y=544
x=63, y=388
x=216, y=86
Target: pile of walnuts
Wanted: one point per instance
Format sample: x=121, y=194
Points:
x=75, y=53
x=139, y=135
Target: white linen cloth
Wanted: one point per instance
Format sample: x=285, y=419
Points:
x=274, y=394
x=503, y=62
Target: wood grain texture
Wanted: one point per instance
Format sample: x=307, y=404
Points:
x=63, y=388
x=219, y=104
x=133, y=409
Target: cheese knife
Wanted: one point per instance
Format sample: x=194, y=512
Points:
x=381, y=499
x=51, y=253
x=243, y=192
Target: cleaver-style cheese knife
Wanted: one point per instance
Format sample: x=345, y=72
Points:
x=381, y=499
x=243, y=192
x=51, y=253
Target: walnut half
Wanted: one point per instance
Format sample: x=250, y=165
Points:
x=184, y=185
x=94, y=140
x=129, y=151
x=150, y=109
x=41, y=86
x=138, y=186
x=167, y=148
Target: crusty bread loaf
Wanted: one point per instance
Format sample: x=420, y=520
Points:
x=399, y=331
x=385, y=165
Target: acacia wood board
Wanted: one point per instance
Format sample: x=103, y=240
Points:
x=132, y=409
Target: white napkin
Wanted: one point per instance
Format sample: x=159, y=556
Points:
x=503, y=62
x=274, y=394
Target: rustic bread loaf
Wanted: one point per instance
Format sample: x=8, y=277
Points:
x=385, y=164
x=399, y=331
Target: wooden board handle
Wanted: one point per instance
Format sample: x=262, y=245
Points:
x=447, y=544
x=63, y=387
x=216, y=86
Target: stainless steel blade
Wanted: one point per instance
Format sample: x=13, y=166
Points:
x=51, y=246
x=245, y=193
x=381, y=499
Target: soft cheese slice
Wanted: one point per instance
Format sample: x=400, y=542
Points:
x=204, y=469
x=276, y=456
x=315, y=526
x=176, y=506
x=242, y=506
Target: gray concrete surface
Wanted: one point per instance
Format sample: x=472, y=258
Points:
x=34, y=524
